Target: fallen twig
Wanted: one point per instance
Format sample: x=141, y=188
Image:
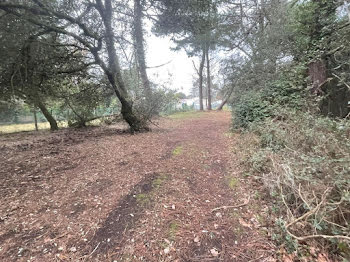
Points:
x=237, y=206
x=318, y=236
x=308, y=214
x=93, y=251
x=311, y=212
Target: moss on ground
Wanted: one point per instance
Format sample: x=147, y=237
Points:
x=233, y=182
x=178, y=151
x=173, y=229
x=159, y=181
x=145, y=199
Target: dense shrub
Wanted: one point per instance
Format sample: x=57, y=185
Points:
x=79, y=108
x=255, y=106
x=152, y=107
x=304, y=162
x=250, y=108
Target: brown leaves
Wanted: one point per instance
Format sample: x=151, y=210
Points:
x=84, y=181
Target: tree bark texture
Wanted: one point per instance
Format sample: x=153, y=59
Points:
x=208, y=79
x=318, y=75
x=47, y=115
x=35, y=119
x=201, y=67
x=140, y=48
x=114, y=71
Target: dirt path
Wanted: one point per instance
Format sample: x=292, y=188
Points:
x=98, y=195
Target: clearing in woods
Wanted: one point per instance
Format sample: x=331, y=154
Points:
x=105, y=195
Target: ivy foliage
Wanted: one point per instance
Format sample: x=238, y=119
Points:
x=255, y=106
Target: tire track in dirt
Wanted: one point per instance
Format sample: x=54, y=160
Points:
x=128, y=211
x=180, y=224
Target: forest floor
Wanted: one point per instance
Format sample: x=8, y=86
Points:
x=101, y=194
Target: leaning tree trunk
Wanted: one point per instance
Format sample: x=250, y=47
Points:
x=208, y=79
x=47, y=115
x=223, y=103
x=114, y=74
x=227, y=97
x=201, y=67
x=140, y=48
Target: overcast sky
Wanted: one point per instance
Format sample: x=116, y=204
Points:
x=181, y=68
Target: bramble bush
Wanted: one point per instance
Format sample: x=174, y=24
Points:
x=304, y=162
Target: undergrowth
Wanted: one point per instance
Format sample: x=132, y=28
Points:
x=303, y=161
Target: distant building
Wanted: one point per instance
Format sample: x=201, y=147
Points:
x=193, y=103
